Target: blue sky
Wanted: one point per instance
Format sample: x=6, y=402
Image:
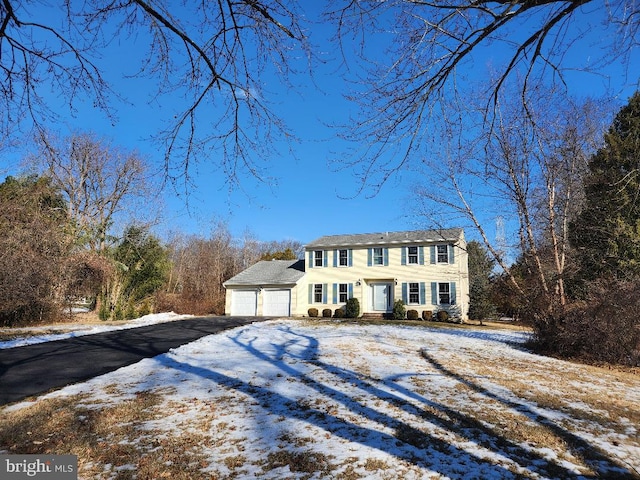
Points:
x=311, y=197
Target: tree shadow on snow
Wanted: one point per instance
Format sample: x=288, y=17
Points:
x=407, y=441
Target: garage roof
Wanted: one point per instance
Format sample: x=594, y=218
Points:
x=270, y=272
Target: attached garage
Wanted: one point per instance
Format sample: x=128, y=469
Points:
x=244, y=303
x=268, y=288
x=276, y=303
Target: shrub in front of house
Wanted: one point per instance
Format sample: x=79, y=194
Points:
x=399, y=310
x=326, y=313
x=412, y=315
x=427, y=315
x=442, y=315
x=313, y=312
x=340, y=313
x=352, y=308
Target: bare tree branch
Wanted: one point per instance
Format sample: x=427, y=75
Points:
x=527, y=170
x=210, y=54
x=437, y=51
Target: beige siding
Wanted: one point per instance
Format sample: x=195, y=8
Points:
x=395, y=274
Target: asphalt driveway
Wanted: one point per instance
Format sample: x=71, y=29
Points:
x=35, y=369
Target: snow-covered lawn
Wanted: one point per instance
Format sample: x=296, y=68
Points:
x=298, y=399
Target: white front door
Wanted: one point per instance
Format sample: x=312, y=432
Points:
x=381, y=296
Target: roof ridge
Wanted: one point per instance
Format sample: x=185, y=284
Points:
x=393, y=236
x=393, y=231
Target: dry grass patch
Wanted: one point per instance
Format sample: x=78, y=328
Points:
x=305, y=462
x=106, y=439
x=373, y=464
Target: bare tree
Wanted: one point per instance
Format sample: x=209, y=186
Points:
x=101, y=183
x=199, y=266
x=437, y=62
x=528, y=170
x=211, y=54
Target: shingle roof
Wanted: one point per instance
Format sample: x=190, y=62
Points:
x=270, y=272
x=415, y=236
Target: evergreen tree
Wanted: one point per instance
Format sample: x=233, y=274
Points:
x=286, y=254
x=142, y=265
x=480, y=272
x=607, y=232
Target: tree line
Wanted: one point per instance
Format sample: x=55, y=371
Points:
x=70, y=235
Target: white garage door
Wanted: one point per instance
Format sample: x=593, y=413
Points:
x=276, y=303
x=244, y=303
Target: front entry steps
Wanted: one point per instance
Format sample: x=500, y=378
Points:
x=376, y=316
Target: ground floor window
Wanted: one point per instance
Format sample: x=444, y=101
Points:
x=317, y=293
x=343, y=293
x=414, y=292
x=444, y=293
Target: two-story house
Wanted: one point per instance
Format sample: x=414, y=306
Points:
x=428, y=270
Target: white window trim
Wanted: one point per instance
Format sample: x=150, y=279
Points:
x=375, y=257
x=409, y=302
x=340, y=292
x=315, y=292
x=411, y=255
x=346, y=257
x=446, y=254
x=448, y=293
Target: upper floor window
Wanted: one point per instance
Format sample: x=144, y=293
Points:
x=442, y=253
x=343, y=258
x=318, y=258
x=377, y=256
x=412, y=255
